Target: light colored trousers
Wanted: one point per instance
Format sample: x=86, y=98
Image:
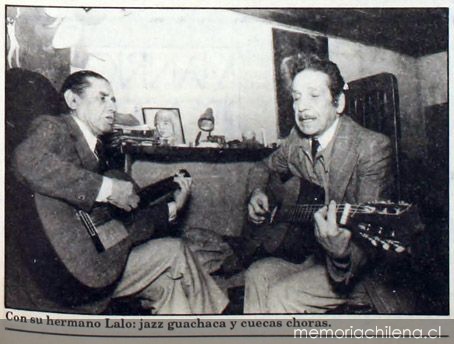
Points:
x=274, y=285
x=164, y=275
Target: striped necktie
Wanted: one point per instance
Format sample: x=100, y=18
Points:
x=101, y=155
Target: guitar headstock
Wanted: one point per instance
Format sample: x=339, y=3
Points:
x=380, y=236
x=386, y=208
x=389, y=225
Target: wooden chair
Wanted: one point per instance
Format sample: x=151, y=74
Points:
x=373, y=102
x=27, y=94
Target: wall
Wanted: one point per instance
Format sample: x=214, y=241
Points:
x=433, y=76
x=187, y=59
x=194, y=59
x=357, y=61
x=223, y=60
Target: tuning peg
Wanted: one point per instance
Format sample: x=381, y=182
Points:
x=362, y=227
x=385, y=246
x=396, y=246
x=399, y=249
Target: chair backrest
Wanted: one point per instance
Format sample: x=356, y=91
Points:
x=28, y=95
x=374, y=103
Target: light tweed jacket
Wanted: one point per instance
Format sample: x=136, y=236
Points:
x=359, y=171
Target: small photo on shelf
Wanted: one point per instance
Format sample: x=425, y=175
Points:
x=166, y=125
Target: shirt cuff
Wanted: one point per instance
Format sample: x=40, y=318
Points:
x=342, y=264
x=339, y=274
x=172, y=211
x=105, y=191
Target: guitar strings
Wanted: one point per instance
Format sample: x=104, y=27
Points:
x=354, y=212
x=339, y=208
x=304, y=210
x=100, y=215
x=87, y=220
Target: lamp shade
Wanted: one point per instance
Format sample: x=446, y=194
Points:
x=206, y=120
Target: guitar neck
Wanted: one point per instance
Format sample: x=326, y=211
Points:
x=149, y=196
x=382, y=223
x=157, y=191
x=303, y=213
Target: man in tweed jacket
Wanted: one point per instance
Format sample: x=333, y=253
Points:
x=352, y=164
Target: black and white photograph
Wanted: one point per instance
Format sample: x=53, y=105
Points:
x=279, y=162
x=166, y=123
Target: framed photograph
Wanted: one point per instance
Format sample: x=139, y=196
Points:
x=167, y=124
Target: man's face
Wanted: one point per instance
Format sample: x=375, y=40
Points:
x=313, y=103
x=96, y=106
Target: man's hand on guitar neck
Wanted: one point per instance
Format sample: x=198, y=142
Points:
x=334, y=239
x=123, y=195
x=258, y=207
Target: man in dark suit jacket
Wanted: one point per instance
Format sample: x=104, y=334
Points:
x=352, y=165
x=59, y=159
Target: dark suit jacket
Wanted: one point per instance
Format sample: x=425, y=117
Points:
x=359, y=171
x=56, y=161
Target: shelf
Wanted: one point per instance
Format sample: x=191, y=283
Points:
x=173, y=154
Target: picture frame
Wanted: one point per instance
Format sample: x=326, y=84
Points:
x=171, y=122
x=286, y=44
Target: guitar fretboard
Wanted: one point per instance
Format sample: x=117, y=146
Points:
x=381, y=223
x=150, y=194
x=305, y=212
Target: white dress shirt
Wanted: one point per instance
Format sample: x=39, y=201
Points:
x=106, y=187
x=325, y=138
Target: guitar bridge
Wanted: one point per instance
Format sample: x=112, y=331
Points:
x=105, y=234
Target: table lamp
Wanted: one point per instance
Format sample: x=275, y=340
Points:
x=205, y=123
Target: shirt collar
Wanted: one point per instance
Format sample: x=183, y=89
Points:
x=325, y=138
x=88, y=135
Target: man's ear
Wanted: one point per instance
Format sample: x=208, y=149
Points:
x=71, y=99
x=340, y=103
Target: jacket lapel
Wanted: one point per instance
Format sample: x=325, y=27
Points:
x=86, y=156
x=343, y=159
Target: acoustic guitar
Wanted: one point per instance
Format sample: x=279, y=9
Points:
x=389, y=227
x=383, y=224
x=93, y=247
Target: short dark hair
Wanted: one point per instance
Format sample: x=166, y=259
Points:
x=77, y=82
x=295, y=64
